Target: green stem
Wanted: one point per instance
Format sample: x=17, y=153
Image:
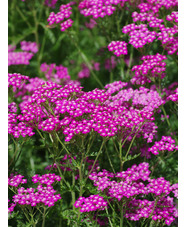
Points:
x=23, y=17
x=115, y=145
x=43, y=222
x=65, y=148
x=111, y=76
x=120, y=155
x=127, y=137
x=17, y=148
x=110, y=161
x=95, y=159
x=42, y=48
x=13, y=18
x=72, y=192
x=122, y=64
x=130, y=147
x=108, y=217
x=130, y=61
x=36, y=26
x=166, y=116
x=84, y=57
x=41, y=10
x=90, y=143
x=25, y=214
x=168, y=122
x=121, y=218
x=80, y=179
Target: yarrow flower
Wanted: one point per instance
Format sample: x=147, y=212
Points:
x=165, y=144
x=74, y=112
x=57, y=73
x=136, y=181
x=98, y=8
x=169, y=38
x=51, y=3
x=29, y=46
x=85, y=72
x=174, y=96
x=92, y=203
x=115, y=86
x=44, y=194
x=153, y=66
x=119, y=48
x=140, y=35
x=173, y=17
x=92, y=23
x=16, y=180
x=64, y=13
x=11, y=48
x=12, y=107
x=66, y=24
x=17, y=128
x=47, y=179
x=16, y=81
x=19, y=58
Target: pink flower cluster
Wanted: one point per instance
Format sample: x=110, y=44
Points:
x=92, y=23
x=12, y=107
x=174, y=96
x=135, y=103
x=140, y=35
x=58, y=74
x=119, y=48
x=44, y=194
x=165, y=210
x=32, y=84
x=16, y=180
x=169, y=38
x=170, y=90
x=98, y=8
x=164, y=3
x=19, y=58
x=136, y=181
x=152, y=20
x=115, y=86
x=153, y=7
x=165, y=144
x=66, y=24
x=11, y=207
x=175, y=190
x=16, y=81
x=153, y=66
x=74, y=112
x=173, y=17
x=11, y=48
x=65, y=12
x=92, y=203
x=17, y=129
x=47, y=179
x=85, y=72
x=29, y=46
x=51, y=3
